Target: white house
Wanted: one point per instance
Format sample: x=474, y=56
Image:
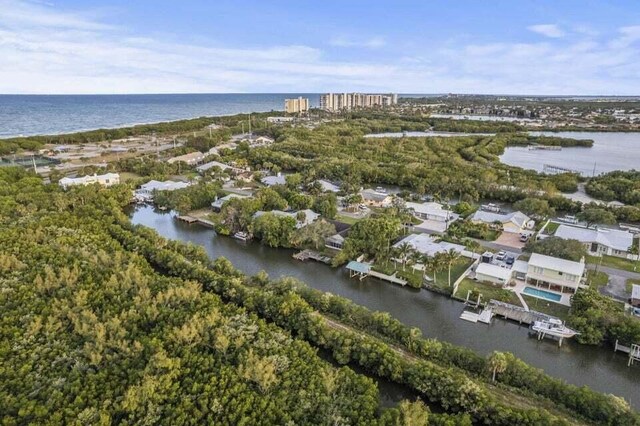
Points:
x=599, y=241
x=262, y=140
x=145, y=192
x=515, y=222
x=374, y=198
x=635, y=295
x=106, y=179
x=219, y=202
x=278, y=179
x=495, y=274
x=328, y=186
x=431, y=211
x=309, y=216
x=427, y=245
x=222, y=166
x=190, y=158
x=335, y=242
x=555, y=274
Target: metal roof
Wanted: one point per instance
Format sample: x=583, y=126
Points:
x=613, y=238
x=557, y=264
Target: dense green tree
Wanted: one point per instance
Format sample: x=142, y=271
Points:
x=557, y=247
x=596, y=215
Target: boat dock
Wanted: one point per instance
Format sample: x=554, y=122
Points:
x=364, y=270
x=545, y=147
x=633, y=351
x=515, y=313
x=554, y=170
x=190, y=220
x=312, y=255
x=484, y=316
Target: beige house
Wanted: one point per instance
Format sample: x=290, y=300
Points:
x=516, y=222
x=190, y=158
x=106, y=179
x=375, y=199
x=552, y=273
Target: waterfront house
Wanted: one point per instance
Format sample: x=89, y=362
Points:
x=495, y=274
x=600, y=241
x=190, y=158
x=328, y=186
x=427, y=245
x=515, y=222
x=555, y=274
x=262, y=141
x=106, y=179
x=308, y=217
x=222, y=166
x=219, y=202
x=431, y=211
x=145, y=192
x=277, y=179
x=374, y=198
x=335, y=242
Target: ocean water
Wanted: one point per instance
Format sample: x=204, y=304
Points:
x=29, y=115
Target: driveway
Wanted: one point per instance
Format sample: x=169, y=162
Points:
x=616, y=288
x=509, y=239
x=494, y=245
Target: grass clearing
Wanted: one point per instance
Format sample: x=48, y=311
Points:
x=629, y=284
x=614, y=262
x=346, y=219
x=488, y=292
x=547, y=307
x=597, y=279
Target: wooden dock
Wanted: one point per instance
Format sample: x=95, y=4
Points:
x=633, y=351
x=364, y=270
x=312, y=255
x=515, y=313
x=187, y=219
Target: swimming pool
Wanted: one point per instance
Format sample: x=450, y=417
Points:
x=542, y=294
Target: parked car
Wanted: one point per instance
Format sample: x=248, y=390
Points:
x=501, y=255
x=524, y=238
x=509, y=260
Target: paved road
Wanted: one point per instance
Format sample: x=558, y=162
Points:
x=495, y=246
x=618, y=272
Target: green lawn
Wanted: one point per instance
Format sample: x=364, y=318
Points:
x=488, y=292
x=597, y=279
x=546, y=307
x=457, y=269
x=415, y=276
x=551, y=228
x=346, y=219
x=127, y=176
x=614, y=262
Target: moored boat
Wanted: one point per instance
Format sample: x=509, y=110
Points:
x=242, y=236
x=553, y=327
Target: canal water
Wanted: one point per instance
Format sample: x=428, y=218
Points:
x=610, y=151
x=436, y=315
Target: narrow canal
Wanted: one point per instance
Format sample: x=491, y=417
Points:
x=436, y=315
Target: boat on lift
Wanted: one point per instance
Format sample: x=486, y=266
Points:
x=242, y=236
x=553, y=327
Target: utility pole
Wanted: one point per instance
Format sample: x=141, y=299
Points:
x=35, y=169
x=250, y=134
x=209, y=132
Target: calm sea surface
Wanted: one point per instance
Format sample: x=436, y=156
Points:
x=610, y=151
x=53, y=114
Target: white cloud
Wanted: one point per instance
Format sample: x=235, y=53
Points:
x=370, y=43
x=45, y=50
x=547, y=30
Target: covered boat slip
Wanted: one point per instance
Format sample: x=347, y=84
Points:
x=362, y=270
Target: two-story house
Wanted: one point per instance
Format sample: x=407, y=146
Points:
x=555, y=274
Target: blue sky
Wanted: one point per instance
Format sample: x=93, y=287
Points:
x=465, y=46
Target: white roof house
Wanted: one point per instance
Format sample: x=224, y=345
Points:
x=613, y=239
x=511, y=222
x=328, y=186
x=493, y=273
x=145, y=192
x=106, y=179
x=556, y=264
x=263, y=140
x=222, y=166
x=427, y=245
x=217, y=204
x=278, y=179
x=309, y=216
x=431, y=211
x=635, y=295
x=190, y=158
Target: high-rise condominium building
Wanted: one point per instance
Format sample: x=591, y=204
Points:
x=296, y=106
x=348, y=101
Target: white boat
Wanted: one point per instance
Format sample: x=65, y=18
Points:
x=242, y=236
x=381, y=190
x=553, y=327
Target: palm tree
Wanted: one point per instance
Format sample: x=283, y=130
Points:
x=472, y=245
x=450, y=257
x=415, y=257
x=404, y=249
x=497, y=363
x=435, y=264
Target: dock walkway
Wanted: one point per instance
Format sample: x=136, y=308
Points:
x=363, y=270
x=515, y=313
x=312, y=255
